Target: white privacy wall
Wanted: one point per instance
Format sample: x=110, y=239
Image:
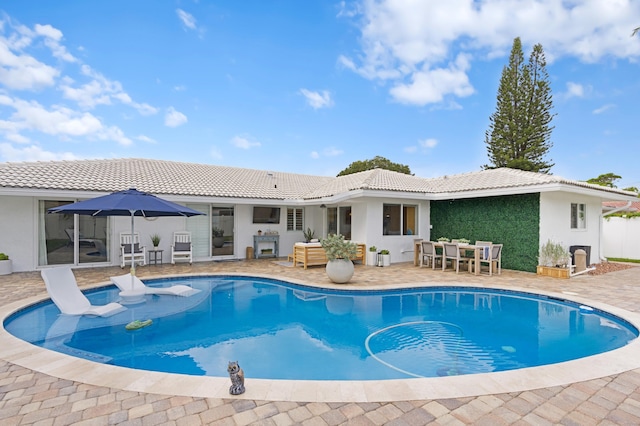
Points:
x=555, y=221
x=620, y=237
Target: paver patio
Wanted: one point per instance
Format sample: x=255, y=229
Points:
x=31, y=397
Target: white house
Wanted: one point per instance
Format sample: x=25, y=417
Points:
x=376, y=207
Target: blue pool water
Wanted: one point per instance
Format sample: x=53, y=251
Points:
x=279, y=330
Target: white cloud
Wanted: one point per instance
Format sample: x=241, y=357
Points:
x=52, y=41
x=428, y=143
x=244, y=143
x=174, y=118
x=100, y=91
x=189, y=22
x=410, y=43
x=332, y=152
x=24, y=72
x=574, y=90
x=431, y=86
x=317, y=100
x=187, y=19
x=58, y=121
x=31, y=153
x=147, y=139
x=603, y=108
x=314, y=155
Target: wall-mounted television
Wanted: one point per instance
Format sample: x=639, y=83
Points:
x=266, y=214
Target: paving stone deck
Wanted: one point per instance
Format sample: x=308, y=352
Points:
x=29, y=397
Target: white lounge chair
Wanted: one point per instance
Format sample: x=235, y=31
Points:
x=64, y=291
x=181, y=247
x=127, y=283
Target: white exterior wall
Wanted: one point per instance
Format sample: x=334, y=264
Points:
x=369, y=225
x=555, y=221
x=18, y=232
x=620, y=237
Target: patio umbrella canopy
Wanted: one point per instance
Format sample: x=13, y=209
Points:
x=130, y=202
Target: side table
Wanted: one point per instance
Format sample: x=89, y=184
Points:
x=155, y=257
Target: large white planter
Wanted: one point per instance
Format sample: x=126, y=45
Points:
x=386, y=259
x=372, y=258
x=340, y=270
x=5, y=267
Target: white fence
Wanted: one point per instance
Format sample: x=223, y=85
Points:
x=621, y=237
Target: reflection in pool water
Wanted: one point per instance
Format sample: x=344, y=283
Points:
x=284, y=331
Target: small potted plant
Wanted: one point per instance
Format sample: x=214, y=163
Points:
x=309, y=235
x=385, y=258
x=372, y=256
x=218, y=237
x=554, y=260
x=443, y=240
x=463, y=241
x=339, y=253
x=155, y=240
x=5, y=264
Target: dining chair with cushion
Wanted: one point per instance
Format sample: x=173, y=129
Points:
x=451, y=252
x=494, y=260
x=429, y=254
x=485, y=253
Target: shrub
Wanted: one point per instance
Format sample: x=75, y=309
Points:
x=336, y=247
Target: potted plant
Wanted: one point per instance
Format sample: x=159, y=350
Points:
x=443, y=240
x=463, y=241
x=5, y=264
x=372, y=256
x=155, y=240
x=218, y=237
x=385, y=258
x=554, y=260
x=309, y=235
x=339, y=253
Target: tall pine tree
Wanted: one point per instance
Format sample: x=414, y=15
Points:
x=519, y=134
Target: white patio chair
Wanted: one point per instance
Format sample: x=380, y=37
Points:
x=64, y=292
x=429, y=254
x=139, y=254
x=181, y=247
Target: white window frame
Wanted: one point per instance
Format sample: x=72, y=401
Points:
x=578, y=216
x=297, y=219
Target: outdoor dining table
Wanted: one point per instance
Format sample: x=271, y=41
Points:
x=477, y=252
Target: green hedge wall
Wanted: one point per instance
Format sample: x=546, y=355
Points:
x=512, y=220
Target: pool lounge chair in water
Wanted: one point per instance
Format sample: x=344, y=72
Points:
x=127, y=283
x=64, y=292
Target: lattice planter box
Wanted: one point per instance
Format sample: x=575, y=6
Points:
x=552, y=271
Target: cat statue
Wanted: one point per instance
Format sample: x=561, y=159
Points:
x=237, y=378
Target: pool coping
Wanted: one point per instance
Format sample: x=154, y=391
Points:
x=67, y=367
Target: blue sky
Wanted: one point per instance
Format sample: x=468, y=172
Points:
x=311, y=86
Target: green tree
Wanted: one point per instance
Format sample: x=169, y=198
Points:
x=607, y=179
x=375, y=163
x=519, y=134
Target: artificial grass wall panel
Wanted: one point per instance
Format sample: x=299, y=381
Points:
x=512, y=220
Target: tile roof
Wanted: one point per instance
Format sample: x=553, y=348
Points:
x=189, y=179
x=158, y=177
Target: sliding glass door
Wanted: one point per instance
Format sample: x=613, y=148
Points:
x=60, y=244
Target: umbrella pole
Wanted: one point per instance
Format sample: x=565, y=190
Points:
x=133, y=258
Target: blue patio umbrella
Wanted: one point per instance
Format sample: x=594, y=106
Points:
x=130, y=202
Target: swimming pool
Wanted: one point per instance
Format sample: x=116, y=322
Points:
x=279, y=330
